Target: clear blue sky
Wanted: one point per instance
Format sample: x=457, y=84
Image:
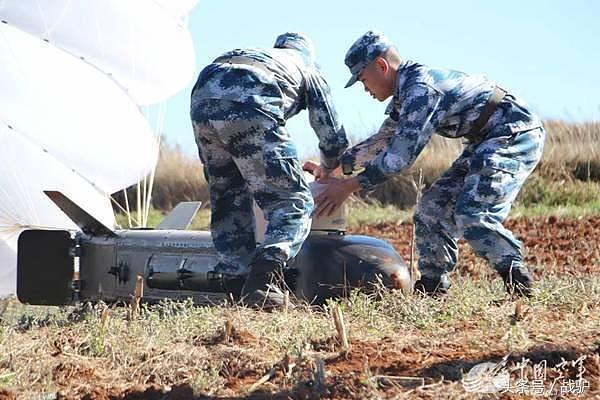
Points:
x=548, y=52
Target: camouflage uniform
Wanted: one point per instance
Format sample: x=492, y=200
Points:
x=239, y=107
x=473, y=197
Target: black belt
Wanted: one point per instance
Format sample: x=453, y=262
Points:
x=474, y=134
x=244, y=60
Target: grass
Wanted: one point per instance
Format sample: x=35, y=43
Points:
x=549, y=192
x=200, y=222
x=567, y=181
x=571, y=153
x=177, y=178
x=361, y=214
x=176, y=343
x=568, y=210
x=221, y=351
x=539, y=196
x=542, y=194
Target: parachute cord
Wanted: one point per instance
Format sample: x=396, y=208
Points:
x=150, y=187
x=160, y=120
x=143, y=203
x=9, y=212
x=127, y=207
x=57, y=20
x=126, y=211
x=139, y=205
x=10, y=203
x=43, y=18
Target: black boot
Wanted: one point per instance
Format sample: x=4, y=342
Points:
x=517, y=279
x=263, y=286
x=433, y=287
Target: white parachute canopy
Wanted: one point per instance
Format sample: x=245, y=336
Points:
x=23, y=203
x=139, y=43
x=178, y=8
x=72, y=75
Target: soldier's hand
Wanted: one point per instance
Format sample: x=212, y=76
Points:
x=321, y=174
x=337, y=191
x=312, y=167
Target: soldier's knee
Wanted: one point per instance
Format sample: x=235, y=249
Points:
x=298, y=206
x=468, y=223
x=473, y=233
x=425, y=214
x=302, y=198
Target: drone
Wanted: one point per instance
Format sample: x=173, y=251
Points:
x=62, y=267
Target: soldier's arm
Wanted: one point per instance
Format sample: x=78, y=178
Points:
x=418, y=117
x=324, y=121
x=359, y=155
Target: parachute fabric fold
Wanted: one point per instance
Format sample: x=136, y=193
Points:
x=177, y=7
x=141, y=44
x=73, y=74
x=26, y=172
x=73, y=111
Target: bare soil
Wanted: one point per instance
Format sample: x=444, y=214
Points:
x=553, y=245
x=385, y=369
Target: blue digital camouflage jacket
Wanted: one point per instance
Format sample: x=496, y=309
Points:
x=290, y=83
x=427, y=101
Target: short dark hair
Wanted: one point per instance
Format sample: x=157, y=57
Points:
x=392, y=56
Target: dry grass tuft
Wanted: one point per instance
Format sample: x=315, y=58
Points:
x=178, y=178
x=571, y=153
x=398, y=345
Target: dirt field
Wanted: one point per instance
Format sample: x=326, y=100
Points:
x=554, y=245
x=401, y=364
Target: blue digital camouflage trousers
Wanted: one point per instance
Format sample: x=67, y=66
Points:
x=472, y=199
x=247, y=155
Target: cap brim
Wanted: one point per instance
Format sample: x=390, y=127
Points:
x=352, y=81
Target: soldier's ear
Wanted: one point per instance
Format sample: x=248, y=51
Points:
x=382, y=65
